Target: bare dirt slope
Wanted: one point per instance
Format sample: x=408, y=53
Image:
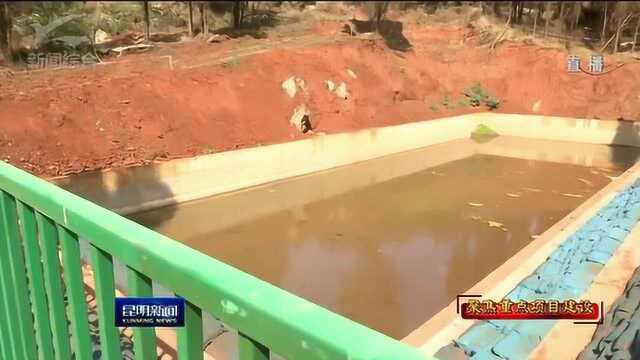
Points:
x=228, y=95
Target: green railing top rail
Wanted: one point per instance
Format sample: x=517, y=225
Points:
x=288, y=325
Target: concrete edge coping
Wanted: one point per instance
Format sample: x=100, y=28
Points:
x=567, y=340
x=447, y=325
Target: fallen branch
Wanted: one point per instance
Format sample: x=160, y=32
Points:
x=140, y=47
x=499, y=38
x=616, y=32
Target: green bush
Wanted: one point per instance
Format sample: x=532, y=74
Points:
x=446, y=102
x=492, y=102
x=477, y=96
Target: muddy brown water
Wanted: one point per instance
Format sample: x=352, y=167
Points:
x=392, y=250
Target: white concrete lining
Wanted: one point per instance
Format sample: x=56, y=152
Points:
x=131, y=190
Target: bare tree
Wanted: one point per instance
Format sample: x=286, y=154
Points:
x=548, y=14
x=577, y=12
x=621, y=17
x=496, y=8
x=635, y=35
x=603, y=37
x=376, y=11
x=204, y=24
x=190, y=19
x=620, y=14
x=535, y=21
x=520, y=11
x=506, y=27
x=561, y=17
x=239, y=8
x=5, y=30
x=145, y=5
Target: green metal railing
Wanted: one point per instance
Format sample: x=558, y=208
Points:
x=42, y=223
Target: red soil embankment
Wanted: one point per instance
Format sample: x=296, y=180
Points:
x=60, y=122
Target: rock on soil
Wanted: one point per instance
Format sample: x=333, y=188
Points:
x=341, y=91
x=289, y=86
x=301, y=118
x=536, y=106
x=330, y=85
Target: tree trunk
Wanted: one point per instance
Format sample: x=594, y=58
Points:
x=204, y=15
x=506, y=27
x=146, y=20
x=5, y=31
x=379, y=12
x=496, y=8
x=603, y=37
x=237, y=14
x=578, y=11
x=485, y=7
x=635, y=35
x=535, y=23
x=520, y=11
x=561, y=18
x=190, y=19
x=546, y=18
x=617, y=40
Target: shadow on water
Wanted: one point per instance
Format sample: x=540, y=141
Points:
x=390, y=30
x=628, y=137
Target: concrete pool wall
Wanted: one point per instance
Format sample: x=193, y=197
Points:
x=130, y=190
x=138, y=189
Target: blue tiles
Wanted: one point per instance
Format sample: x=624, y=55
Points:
x=567, y=273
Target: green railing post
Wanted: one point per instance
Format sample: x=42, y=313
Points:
x=250, y=349
x=3, y=347
x=190, y=336
x=75, y=292
x=9, y=342
x=144, y=339
x=48, y=237
x=105, y=296
x=18, y=273
x=36, y=282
